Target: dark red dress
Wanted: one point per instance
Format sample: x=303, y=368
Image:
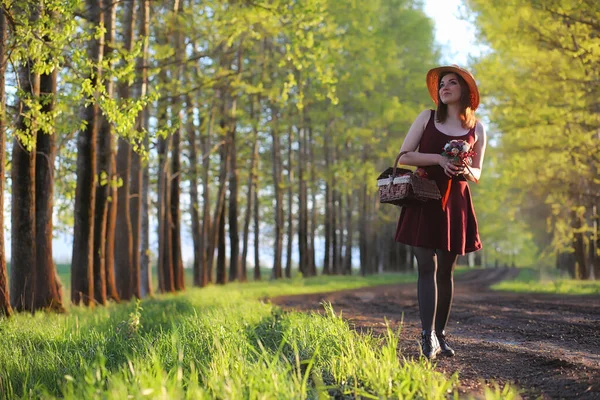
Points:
x=428, y=225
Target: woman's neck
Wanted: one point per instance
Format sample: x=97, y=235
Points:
x=454, y=112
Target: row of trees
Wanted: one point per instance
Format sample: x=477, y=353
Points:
x=542, y=89
x=228, y=118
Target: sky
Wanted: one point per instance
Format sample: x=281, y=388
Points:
x=456, y=35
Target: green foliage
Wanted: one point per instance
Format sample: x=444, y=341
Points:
x=541, y=93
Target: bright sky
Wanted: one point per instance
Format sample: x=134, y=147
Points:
x=456, y=35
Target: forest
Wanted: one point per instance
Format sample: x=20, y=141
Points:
x=258, y=128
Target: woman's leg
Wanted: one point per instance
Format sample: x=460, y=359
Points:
x=426, y=286
x=445, y=288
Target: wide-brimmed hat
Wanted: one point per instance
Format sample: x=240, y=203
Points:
x=433, y=77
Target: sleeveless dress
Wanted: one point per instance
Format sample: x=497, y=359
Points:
x=428, y=225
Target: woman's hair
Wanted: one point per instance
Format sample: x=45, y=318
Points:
x=467, y=114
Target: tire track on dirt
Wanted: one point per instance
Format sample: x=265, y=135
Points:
x=547, y=345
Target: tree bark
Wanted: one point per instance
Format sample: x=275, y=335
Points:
x=349, y=235
x=139, y=183
x=290, y=195
x=257, y=273
x=234, y=239
x=206, y=267
x=194, y=196
x=177, y=261
x=328, y=211
x=48, y=289
x=82, y=283
x=302, y=206
x=221, y=256
x=123, y=236
x=105, y=166
x=5, y=307
x=313, y=210
x=277, y=181
x=22, y=277
x=165, y=261
x=363, y=231
x=252, y=177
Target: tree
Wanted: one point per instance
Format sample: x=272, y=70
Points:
x=5, y=307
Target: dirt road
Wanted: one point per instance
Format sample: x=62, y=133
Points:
x=547, y=345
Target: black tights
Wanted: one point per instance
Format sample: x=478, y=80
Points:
x=435, y=287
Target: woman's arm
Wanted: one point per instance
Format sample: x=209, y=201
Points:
x=414, y=158
x=479, y=149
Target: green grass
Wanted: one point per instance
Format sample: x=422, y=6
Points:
x=532, y=281
x=217, y=342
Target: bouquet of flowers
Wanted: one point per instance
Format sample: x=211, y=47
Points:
x=459, y=152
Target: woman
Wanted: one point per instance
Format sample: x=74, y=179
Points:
x=439, y=231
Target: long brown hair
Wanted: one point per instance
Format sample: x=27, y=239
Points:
x=467, y=114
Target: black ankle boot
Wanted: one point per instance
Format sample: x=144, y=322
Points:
x=429, y=344
x=445, y=349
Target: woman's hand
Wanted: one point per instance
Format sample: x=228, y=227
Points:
x=449, y=167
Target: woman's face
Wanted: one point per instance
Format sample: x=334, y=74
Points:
x=450, y=90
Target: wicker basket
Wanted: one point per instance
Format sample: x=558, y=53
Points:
x=405, y=188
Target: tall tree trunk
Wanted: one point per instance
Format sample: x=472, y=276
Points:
x=328, y=211
x=5, y=307
x=105, y=168
x=581, y=271
x=123, y=236
x=165, y=261
x=176, y=163
x=252, y=177
x=142, y=231
x=48, y=289
x=194, y=196
x=363, y=231
x=302, y=206
x=335, y=264
x=234, y=239
x=82, y=283
x=595, y=243
x=290, y=195
x=257, y=273
x=23, y=260
x=277, y=180
x=221, y=256
x=313, y=209
x=214, y=235
x=349, y=235
x=177, y=261
x=207, y=267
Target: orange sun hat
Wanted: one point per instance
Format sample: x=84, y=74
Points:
x=433, y=77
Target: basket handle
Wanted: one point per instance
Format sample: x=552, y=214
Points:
x=396, y=163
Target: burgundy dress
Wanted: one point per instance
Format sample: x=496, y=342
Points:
x=428, y=225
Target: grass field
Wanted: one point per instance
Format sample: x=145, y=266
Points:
x=219, y=342
x=532, y=281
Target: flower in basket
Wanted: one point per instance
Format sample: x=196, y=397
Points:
x=458, y=151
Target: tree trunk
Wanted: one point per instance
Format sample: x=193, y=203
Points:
x=123, y=237
x=221, y=256
x=252, y=177
x=581, y=269
x=206, y=217
x=165, y=261
x=302, y=206
x=313, y=210
x=140, y=175
x=82, y=283
x=105, y=167
x=290, y=210
x=22, y=271
x=349, y=235
x=335, y=267
x=363, y=231
x=213, y=239
x=177, y=261
x=277, y=181
x=328, y=210
x=194, y=196
x=5, y=307
x=48, y=289
x=234, y=240
x=257, y=273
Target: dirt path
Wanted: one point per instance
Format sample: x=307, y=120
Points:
x=547, y=345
